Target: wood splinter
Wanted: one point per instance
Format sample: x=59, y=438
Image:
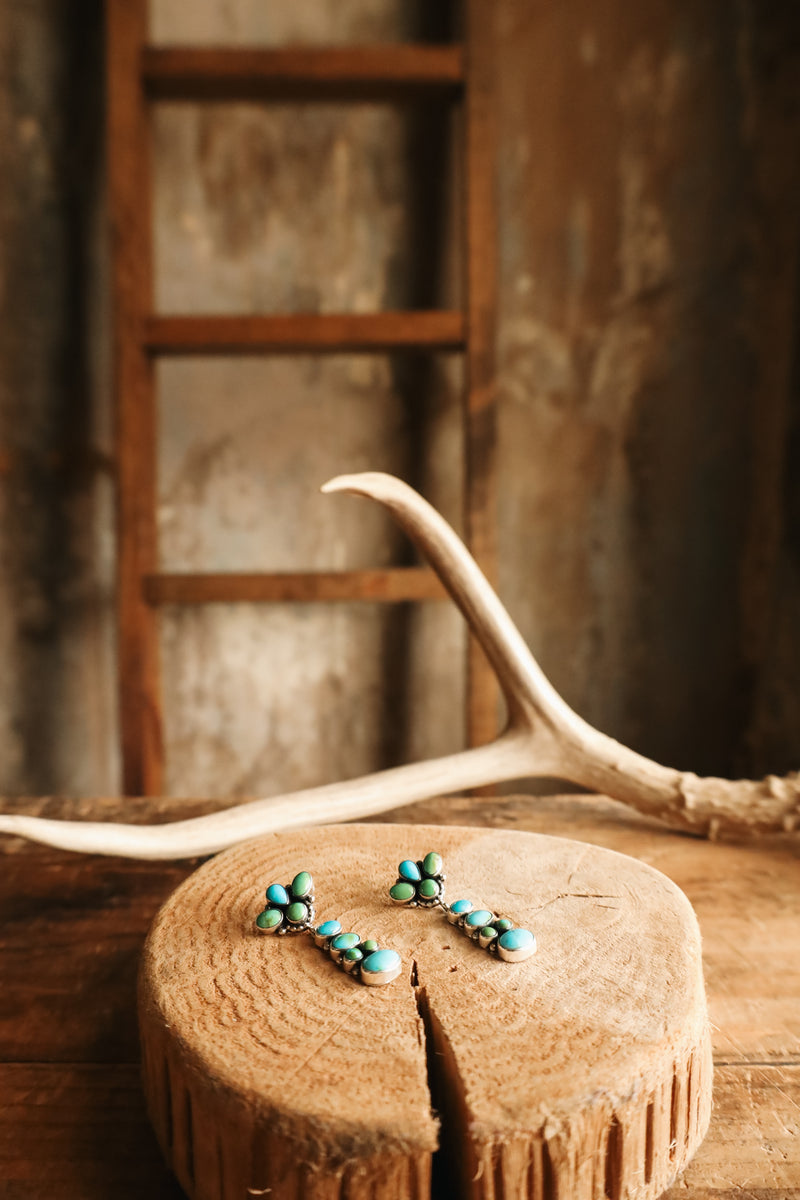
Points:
x=543, y=737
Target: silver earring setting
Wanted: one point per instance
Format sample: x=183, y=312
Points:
x=290, y=909
x=421, y=884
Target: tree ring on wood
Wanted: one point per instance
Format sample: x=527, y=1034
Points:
x=584, y=1072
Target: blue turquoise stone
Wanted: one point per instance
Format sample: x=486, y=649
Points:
x=479, y=918
x=277, y=894
x=409, y=870
x=516, y=939
x=345, y=941
x=381, y=960
x=461, y=906
x=329, y=928
x=301, y=885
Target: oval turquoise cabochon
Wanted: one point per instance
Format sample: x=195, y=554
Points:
x=381, y=960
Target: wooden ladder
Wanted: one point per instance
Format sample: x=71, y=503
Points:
x=138, y=75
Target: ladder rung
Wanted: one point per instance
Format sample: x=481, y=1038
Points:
x=307, y=334
x=389, y=584
x=342, y=73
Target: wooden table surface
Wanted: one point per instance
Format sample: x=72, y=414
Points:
x=72, y=1120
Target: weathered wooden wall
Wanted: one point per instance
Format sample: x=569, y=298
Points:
x=650, y=176
x=648, y=182
x=57, y=726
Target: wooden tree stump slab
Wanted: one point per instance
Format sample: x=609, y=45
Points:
x=582, y=1073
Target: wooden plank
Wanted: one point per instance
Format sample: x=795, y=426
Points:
x=78, y=1132
x=302, y=72
x=316, y=333
x=752, y=1151
x=391, y=585
x=73, y=928
x=129, y=181
x=480, y=232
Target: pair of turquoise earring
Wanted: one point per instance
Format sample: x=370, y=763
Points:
x=290, y=909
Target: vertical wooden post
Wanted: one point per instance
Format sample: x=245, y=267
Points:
x=130, y=188
x=480, y=232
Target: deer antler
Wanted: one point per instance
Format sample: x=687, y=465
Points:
x=543, y=737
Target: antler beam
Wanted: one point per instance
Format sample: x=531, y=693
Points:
x=543, y=737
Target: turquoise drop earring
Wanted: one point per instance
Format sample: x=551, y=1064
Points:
x=290, y=909
x=421, y=884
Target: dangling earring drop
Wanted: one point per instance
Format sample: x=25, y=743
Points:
x=290, y=909
x=421, y=884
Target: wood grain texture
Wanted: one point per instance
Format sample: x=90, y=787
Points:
x=128, y=139
x=77, y=1131
x=299, y=72
x=305, y=333
x=389, y=584
x=260, y=1055
x=754, y=1151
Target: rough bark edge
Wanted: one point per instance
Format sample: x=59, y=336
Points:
x=223, y=1150
x=624, y=1150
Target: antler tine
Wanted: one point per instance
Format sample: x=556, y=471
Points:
x=525, y=687
x=559, y=742
x=544, y=736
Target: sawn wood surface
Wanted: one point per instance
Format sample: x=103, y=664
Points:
x=582, y=1072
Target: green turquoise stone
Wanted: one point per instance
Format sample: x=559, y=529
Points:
x=302, y=885
x=381, y=960
x=402, y=892
x=296, y=913
x=329, y=928
x=269, y=918
x=345, y=941
x=369, y=946
x=409, y=870
x=429, y=889
x=432, y=864
x=277, y=894
x=488, y=933
x=479, y=918
x=502, y=924
x=353, y=954
x=516, y=939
